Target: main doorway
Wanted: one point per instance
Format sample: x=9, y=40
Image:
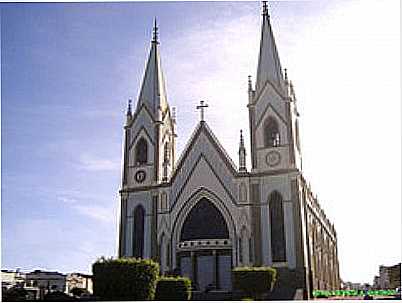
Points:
x=204, y=253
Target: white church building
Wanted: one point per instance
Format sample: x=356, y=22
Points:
x=202, y=215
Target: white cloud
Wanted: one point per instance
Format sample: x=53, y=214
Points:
x=100, y=213
x=67, y=200
x=82, y=204
x=92, y=163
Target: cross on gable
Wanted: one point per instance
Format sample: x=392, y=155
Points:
x=201, y=107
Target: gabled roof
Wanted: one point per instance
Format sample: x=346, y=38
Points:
x=153, y=91
x=269, y=66
x=204, y=128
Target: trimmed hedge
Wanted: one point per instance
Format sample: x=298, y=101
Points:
x=125, y=279
x=173, y=289
x=254, y=281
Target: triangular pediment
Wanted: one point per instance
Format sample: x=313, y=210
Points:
x=203, y=129
x=204, y=145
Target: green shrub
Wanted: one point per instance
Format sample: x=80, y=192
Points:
x=173, y=289
x=15, y=293
x=254, y=281
x=125, y=279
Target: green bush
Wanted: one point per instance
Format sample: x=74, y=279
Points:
x=254, y=281
x=173, y=289
x=125, y=279
x=14, y=294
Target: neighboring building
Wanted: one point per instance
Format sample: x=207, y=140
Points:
x=78, y=280
x=394, y=273
x=390, y=277
x=202, y=215
x=49, y=280
x=10, y=278
x=355, y=286
x=376, y=282
x=384, y=278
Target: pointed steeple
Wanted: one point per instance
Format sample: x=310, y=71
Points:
x=242, y=154
x=269, y=66
x=129, y=114
x=153, y=91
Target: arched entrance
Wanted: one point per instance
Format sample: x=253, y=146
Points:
x=204, y=251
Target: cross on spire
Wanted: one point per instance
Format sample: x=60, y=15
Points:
x=201, y=108
x=265, y=9
x=155, y=32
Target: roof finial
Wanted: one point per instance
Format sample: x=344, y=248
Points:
x=250, y=84
x=129, y=107
x=242, y=154
x=265, y=9
x=155, y=32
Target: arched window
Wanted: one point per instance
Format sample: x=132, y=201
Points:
x=141, y=152
x=271, y=133
x=278, y=243
x=204, y=221
x=138, y=240
x=166, y=152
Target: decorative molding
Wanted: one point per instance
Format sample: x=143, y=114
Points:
x=276, y=113
x=137, y=135
x=137, y=113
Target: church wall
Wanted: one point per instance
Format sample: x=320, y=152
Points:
x=135, y=199
x=323, y=244
x=289, y=233
x=282, y=185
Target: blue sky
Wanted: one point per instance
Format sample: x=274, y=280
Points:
x=68, y=70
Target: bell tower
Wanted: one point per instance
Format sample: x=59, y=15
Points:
x=273, y=115
x=151, y=130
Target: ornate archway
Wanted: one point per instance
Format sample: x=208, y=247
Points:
x=195, y=227
x=204, y=235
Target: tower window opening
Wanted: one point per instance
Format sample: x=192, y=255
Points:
x=141, y=152
x=271, y=133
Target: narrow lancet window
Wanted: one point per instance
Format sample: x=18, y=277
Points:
x=141, y=152
x=138, y=240
x=278, y=243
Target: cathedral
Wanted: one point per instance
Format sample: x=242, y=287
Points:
x=201, y=215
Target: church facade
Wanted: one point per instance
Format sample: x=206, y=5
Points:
x=202, y=215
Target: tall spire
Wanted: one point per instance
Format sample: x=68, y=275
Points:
x=269, y=66
x=153, y=91
x=242, y=154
